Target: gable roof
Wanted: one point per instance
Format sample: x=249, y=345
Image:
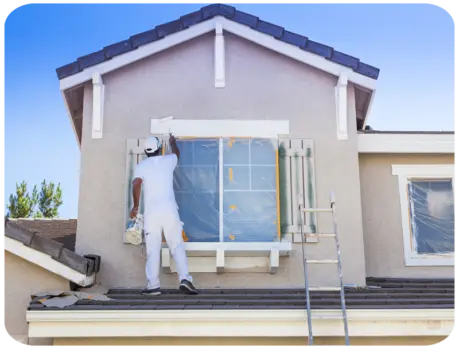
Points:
x=204, y=14
x=49, y=254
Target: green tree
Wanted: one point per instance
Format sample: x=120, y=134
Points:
x=22, y=204
x=49, y=200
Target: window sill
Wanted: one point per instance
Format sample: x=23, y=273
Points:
x=222, y=257
x=429, y=261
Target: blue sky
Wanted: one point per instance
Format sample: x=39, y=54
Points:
x=413, y=45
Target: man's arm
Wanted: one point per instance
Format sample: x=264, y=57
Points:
x=136, y=188
x=174, y=148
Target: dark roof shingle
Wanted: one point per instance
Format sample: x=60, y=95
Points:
x=41, y=238
x=206, y=13
x=380, y=294
x=60, y=230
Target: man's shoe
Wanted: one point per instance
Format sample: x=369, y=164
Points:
x=187, y=287
x=151, y=292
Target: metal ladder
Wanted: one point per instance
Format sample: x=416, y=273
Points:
x=307, y=288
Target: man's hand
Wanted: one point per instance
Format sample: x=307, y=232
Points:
x=174, y=148
x=134, y=212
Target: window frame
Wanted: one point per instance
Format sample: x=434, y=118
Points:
x=413, y=172
x=222, y=165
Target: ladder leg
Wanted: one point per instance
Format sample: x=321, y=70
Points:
x=306, y=281
x=343, y=302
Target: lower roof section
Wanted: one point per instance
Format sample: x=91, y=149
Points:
x=386, y=307
x=380, y=293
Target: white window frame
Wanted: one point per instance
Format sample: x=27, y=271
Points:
x=404, y=174
x=220, y=129
x=222, y=167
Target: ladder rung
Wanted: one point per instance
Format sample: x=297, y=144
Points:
x=324, y=288
x=319, y=235
x=317, y=210
x=322, y=261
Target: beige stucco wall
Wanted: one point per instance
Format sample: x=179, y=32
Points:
x=250, y=341
x=22, y=279
x=382, y=223
x=180, y=82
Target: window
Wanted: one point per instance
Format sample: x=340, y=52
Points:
x=226, y=189
x=427, y=207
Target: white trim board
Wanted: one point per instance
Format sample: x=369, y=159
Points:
x=241, y=323
x=45, y=261
x=240, y=30
x=221, y=128
x=404, y=172
x=405, y=143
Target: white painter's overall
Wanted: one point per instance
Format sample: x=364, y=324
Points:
x=161, y=215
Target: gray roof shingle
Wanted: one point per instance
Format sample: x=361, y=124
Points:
x=382, y=293
x=206, y=13
x=60, y=230
x=41, y=241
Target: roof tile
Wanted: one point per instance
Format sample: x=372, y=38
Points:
x=270, y=29
x=318, y=48
x=169, y=28
x=118, y=48
x=210, y=11
x=245, y=18
x=74, y=261
x=368, y=70
x=13, y=231
x=294, y=39
x=92, y=59
x=191, y=19
x=344, y=59
x=50, y=247
x=227, y=11
x=144, y=38
x=67, y=70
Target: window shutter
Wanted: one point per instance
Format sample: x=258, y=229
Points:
x=296, y=166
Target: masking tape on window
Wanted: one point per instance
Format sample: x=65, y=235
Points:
x=231, y=174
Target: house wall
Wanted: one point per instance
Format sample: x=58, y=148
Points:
x=427, y=340
x=22, y=279
x=260, y=84
x=382, y=223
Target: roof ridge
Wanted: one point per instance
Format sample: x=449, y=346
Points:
x=203, y=14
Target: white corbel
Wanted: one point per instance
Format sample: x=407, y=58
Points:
x=166, y=260
x=220, y=260
x=341, y=107
x=219, y=56
x=273, y=261
x=97, y=105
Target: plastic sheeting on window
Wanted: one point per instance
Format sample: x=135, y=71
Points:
x=196, y=186
x=249, y=190
x=432, y=216
x=250, y=211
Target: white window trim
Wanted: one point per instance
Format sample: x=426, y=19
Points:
x=220, y=129
x=405, y=172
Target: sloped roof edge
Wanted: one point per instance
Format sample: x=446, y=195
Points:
x=48, y=254
x=206, y=13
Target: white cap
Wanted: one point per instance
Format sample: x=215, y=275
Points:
x=151, y=145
